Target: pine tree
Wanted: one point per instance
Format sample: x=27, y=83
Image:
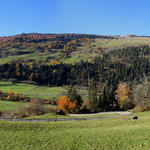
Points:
x=92, y=96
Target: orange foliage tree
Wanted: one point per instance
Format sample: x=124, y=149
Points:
x=65, y=104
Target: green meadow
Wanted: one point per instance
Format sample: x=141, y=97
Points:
x=32, y=90
x=9, y=106
x=121, y=133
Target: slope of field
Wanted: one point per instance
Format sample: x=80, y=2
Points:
x=32, y=90
x=124, y=41
x=115, y=134
x=9, y=106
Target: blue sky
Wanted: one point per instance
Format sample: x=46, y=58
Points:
x=107, y=17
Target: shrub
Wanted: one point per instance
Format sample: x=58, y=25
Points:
x=4, y=114
x=86, y=106
x=35, y=107
x=10, y=96
x=141, y=96
x=138, y=109
x=18, y=114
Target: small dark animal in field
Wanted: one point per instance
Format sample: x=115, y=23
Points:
x=135, y=118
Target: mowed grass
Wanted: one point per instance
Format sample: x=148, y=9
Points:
x=108, y=43
x=106, y=134
x=32, y=90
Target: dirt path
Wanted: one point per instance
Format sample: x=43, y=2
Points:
x=72, y=119
x=103, y=113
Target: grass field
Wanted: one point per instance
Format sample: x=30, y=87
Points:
x=106, y=134
x=9, y=106
x=36, y=56
x=32, y=90
x=38, y=91
x=107, y=43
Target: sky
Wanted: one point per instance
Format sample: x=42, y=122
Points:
x=102, y=17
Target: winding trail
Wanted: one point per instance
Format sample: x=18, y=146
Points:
x=72, y=119
x=103, y=113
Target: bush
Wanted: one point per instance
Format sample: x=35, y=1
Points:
x=141, y=96
x=86, y=107
x=142, y=107
x=60, y=112
x=10, y=96
x=18, y=114
x=35, y=107
x=5, y=114
x=138, y=109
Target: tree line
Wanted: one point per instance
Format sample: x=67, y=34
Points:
x=101, y=69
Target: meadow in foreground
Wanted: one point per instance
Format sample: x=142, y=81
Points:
x=108, y=134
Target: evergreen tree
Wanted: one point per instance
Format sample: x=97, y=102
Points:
x=73, y=95
x=92, y=96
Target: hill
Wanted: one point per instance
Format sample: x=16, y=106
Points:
x=64, y=59
x=65, y=48
x=53, y=61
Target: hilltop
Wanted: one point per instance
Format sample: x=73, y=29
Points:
x=62, y=48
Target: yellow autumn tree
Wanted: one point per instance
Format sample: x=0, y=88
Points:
x=122, y=93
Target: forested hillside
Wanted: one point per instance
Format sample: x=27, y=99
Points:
x=99, y=63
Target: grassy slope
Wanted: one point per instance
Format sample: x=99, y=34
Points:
x=106, y=43
x=106, y=134
x=32, y=90
x=9, y=106
x=38, y=91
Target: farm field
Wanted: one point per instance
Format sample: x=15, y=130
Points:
x=116, y=134
x=32, y=90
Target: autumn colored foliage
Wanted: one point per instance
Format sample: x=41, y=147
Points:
x=65, y=104
x=123, y=92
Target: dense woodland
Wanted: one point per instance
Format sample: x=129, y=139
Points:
x=126, y=65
